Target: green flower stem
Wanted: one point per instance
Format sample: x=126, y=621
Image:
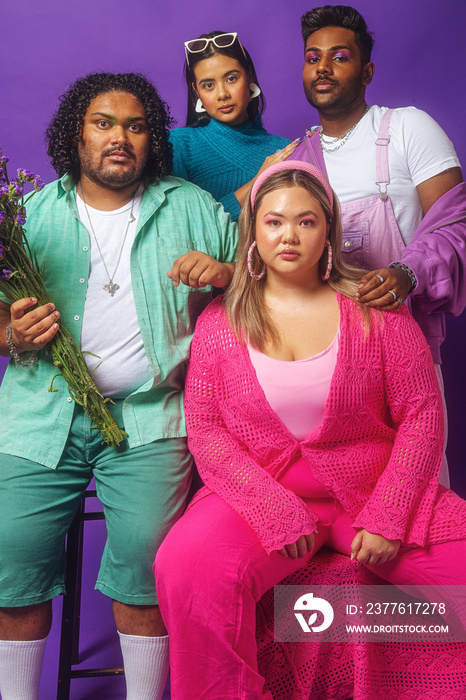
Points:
x=69, y=360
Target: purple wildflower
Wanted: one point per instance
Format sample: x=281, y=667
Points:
x=28, y=176
x=14, y=190
x=2, y=216
x=4, y=159
x=38, y=183
x=4, y=274
x=25, y=175
x=20, y=220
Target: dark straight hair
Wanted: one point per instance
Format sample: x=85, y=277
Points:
x=256, y=106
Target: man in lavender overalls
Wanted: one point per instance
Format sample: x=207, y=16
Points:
x=397, y=177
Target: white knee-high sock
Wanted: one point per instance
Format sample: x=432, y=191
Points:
x=20, y=667
x=146, y=663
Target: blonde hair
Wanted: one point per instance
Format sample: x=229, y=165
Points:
x=244, y=299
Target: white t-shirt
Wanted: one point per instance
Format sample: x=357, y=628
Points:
x=418, y=150
x=110, y=326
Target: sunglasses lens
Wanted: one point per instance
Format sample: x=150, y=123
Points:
x=196, y=45
x=221, y=41
x=224, y=40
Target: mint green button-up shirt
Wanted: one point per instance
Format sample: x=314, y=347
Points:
x=175, y=218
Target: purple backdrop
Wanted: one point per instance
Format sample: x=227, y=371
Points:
x=47, y=45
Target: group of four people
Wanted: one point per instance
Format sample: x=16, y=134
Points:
x=312, y=417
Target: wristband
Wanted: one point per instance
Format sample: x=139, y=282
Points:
x=408, y=271
x=14, y=352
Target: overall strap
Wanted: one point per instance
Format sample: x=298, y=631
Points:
x=381, y=155
x=314, y=151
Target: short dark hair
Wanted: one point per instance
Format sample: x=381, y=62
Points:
x=256, y=106
x=339, y=16
x=64, y=130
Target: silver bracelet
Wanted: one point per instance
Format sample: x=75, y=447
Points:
x=408, y=271
x=14, y=352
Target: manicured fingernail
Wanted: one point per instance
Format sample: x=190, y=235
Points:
x=57, y=314
x=352, y=556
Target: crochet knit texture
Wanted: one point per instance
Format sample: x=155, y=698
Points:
x=359, y=670
x=378, y=449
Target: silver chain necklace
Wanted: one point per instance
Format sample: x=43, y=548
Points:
x=340, y=139
x=112, y=286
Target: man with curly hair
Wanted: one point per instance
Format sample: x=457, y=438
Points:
x=105, y=233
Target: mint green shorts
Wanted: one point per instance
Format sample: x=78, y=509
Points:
x=143, y=491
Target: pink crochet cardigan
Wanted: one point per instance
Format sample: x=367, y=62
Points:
x=377, y=451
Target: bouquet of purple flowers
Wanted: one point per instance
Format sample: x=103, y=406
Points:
x=21, y=277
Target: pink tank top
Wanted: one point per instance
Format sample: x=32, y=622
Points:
x=297, y=391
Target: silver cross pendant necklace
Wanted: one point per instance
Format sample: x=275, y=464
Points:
x=111, y=287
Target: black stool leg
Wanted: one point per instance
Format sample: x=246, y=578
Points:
x=69, y=638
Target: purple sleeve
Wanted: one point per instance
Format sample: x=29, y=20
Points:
x=437, y=255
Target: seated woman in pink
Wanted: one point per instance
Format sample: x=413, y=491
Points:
x=313, y=420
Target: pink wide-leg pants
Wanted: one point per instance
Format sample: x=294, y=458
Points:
x=211, y=571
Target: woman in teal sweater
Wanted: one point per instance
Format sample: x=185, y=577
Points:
x=224, y=146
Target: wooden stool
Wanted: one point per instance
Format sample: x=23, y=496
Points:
x=69, y=638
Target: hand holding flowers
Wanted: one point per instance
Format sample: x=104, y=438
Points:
x=21, y=282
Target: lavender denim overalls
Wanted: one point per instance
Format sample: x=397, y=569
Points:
x=371, y=237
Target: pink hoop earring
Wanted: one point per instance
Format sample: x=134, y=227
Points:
x=329, y=261
x=250, y=267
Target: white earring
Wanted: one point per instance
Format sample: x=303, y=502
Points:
x=255, y=91
x=199, y=106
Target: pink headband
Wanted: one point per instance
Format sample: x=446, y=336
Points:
x=292, y=165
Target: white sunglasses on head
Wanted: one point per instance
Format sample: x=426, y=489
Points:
x=221, y=41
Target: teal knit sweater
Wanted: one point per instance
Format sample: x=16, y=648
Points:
x=221, y=158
